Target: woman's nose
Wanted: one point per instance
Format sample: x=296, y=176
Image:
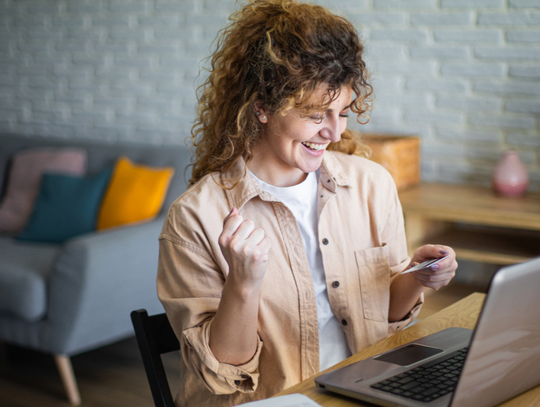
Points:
x=331, y=130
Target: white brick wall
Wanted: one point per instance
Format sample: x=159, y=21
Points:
x=462, y=74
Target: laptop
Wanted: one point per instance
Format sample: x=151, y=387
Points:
x=459, y=367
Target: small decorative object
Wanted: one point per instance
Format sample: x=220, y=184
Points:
x=510, y=177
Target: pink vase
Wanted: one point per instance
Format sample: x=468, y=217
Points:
x=510, y=177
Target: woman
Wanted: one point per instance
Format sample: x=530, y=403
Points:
x=284, y=256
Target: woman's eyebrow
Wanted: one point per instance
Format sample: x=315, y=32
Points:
x=345, y=108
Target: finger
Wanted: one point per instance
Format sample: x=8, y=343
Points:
x=256, y=253
x=444, y=250
x=265, y=245
x=239, y=238
x=442, y=265
x=245, y=229
x=437, y=271
x=433, y=251
x=256, y=236
x=448, y=252
x=434, y=278
x=428, y=274
x=232, y=213
x=426, y=252
x=232, y=224
x=260, y=252
x=447, y=265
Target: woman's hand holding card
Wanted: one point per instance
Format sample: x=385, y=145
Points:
x=433, y=266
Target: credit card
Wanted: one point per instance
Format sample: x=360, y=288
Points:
x=424, y=265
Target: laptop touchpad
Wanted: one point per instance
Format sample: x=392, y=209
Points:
x=409, y=354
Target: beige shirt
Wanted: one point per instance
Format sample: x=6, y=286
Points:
x=362, y=240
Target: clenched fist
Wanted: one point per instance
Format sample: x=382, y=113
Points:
x=245, y=248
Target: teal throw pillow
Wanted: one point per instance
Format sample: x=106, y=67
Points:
x=66, y=206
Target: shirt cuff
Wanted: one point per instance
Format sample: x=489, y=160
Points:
x=393, y=327
x=220, y=378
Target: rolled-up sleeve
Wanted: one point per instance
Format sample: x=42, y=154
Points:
x=189, y=286
x=393, y=327
x=219, y=378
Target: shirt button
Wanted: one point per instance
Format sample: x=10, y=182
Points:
x=335, y=284
x=344, y=322
x=325, y=241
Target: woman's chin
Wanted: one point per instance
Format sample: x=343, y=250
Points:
x=311, y=165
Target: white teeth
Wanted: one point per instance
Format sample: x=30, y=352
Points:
x=314, y=146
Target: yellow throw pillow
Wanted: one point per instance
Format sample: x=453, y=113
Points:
x=135, y=193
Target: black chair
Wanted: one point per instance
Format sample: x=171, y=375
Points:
x=155, y=337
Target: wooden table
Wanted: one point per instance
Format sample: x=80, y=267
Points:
x=463, y=313
x=476, y=223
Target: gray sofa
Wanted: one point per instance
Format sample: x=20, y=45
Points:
x=85, y=288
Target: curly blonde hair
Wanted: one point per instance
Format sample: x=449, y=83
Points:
x=278, y=53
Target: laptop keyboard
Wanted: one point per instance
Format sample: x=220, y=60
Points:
x=428, y=381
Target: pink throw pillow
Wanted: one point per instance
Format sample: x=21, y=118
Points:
x=25, y=178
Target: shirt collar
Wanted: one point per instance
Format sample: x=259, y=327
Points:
x=246, y=189
x=332, y=175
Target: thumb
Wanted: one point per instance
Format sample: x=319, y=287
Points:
x=233, y=212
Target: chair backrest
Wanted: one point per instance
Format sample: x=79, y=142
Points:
x=155, y=337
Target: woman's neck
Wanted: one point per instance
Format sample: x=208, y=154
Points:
x=274, y=174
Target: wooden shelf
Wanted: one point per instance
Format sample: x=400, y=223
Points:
x=471, y=204
x=476, y=223
x=489, y=246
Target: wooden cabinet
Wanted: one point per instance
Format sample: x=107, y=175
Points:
x=476, y=223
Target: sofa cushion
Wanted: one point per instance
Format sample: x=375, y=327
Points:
x=135, y=194
x=23, y=277
x=67, y=206
x=101, y=154
x=24, y=180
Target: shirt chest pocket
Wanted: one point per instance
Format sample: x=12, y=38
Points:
x=374, y=275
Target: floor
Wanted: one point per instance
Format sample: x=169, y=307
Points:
x=113, y=376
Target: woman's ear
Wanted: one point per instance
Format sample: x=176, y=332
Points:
x=260, y=111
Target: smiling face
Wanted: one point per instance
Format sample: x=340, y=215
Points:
x=293, y=145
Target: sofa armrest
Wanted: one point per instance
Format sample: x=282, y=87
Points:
x=98, y=279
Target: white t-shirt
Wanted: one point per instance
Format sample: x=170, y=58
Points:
x=301, y=199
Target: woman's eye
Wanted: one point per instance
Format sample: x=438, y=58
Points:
x=343, y=115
